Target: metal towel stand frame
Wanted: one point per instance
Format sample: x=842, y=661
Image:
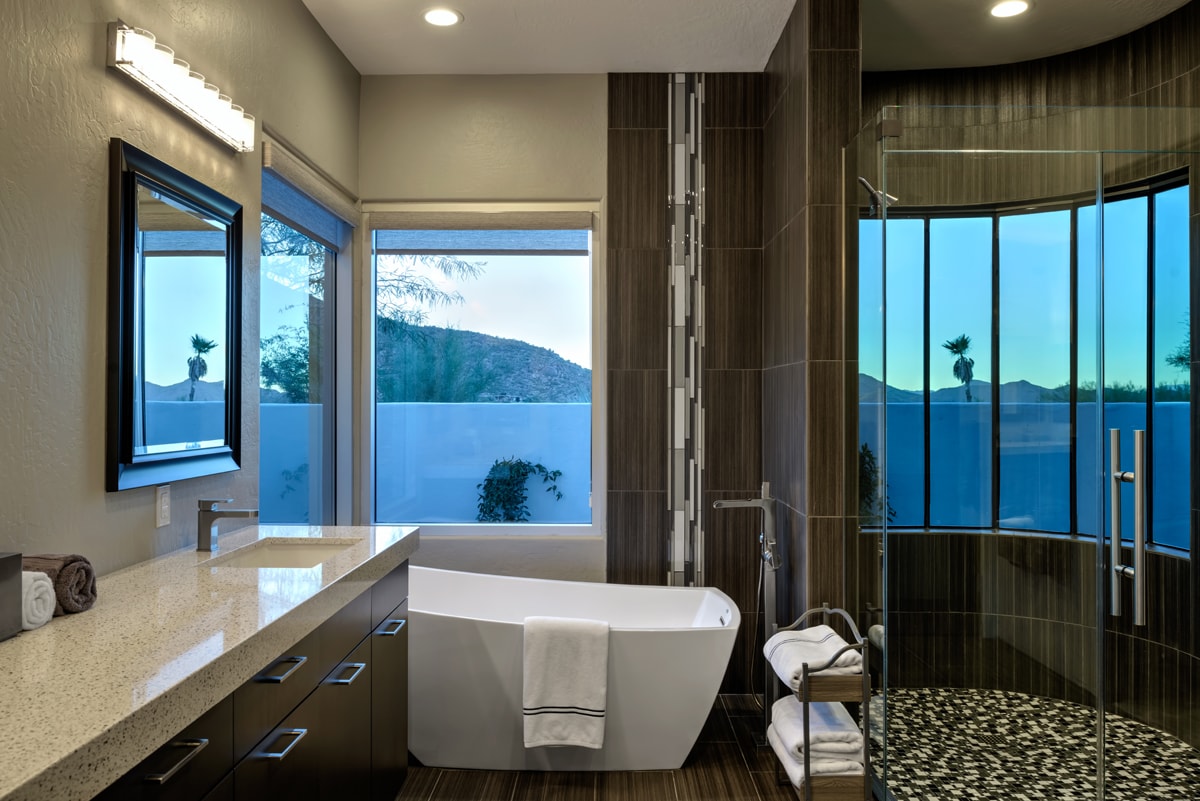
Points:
x=805, y=693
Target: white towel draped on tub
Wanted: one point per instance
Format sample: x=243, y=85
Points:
x=37, y=599
x=566, y=681
x=787, y=652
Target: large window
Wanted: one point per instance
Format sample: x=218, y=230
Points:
x=298, y=313
x=990, y=354
x=483, y=377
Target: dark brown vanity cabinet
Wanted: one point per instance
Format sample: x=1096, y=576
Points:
x=389, y=691
x=186, y=766
x=327, y=720
x=322, y=750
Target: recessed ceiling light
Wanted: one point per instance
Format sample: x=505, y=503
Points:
x=443, y=17
x=1010, y=8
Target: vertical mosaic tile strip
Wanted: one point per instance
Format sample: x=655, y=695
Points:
x=685, y=340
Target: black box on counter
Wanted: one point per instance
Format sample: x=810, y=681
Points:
x=10, y=595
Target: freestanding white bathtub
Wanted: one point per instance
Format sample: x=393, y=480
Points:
x=668, y=648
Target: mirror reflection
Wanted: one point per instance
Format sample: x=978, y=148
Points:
x=180, y=374
x=174, y=335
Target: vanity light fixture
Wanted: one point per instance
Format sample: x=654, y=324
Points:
x=137, y=53
x=1010, y=8
x=443, y=17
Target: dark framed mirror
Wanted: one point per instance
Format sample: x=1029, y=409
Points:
x=174, y=325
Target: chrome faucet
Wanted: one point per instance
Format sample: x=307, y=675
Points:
x=206, y=521
x=767, y=568
x=766, y=535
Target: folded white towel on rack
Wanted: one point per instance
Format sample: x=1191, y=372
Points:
x=565, y=681
x=831, y=730
x=788, y=651
x=794, y=766
x=37, y=599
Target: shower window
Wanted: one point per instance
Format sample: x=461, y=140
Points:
x=988, y=313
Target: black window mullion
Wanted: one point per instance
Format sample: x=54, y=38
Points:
x=995, y=376
x=926, y=384
x=1073, y=379
x=1148, y=481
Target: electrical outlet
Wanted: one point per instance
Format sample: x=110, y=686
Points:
x=162, y=506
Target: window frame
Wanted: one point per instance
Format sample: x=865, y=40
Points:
x=465, y=216
x=1148, y=188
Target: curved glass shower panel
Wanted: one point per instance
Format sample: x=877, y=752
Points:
x=1016, y=266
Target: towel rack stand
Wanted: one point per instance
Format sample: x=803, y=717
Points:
x=815, y=687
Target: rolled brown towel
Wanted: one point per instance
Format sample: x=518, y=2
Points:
x=73, y=578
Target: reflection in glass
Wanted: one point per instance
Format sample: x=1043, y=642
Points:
x=179, y=382
x=296, y=376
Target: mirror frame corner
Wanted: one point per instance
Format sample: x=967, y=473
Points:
x=130, y=167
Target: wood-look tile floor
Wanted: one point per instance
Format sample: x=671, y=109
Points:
x=724, y=765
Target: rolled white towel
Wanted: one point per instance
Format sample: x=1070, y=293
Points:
x=831, y=730
x=794, y=767
x=37, y=599
x=788, y=651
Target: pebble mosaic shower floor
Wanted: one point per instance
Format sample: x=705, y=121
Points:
x=972, y=745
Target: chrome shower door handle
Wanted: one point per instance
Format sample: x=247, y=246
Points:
x=1114, y=553
x=1139, y=528
x=1117, y=570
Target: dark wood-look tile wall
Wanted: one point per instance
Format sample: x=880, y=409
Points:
x=638, y=318
x=811, y=96
x=733, y=299
x=638, y=308
x=732, y=379
x=637, y=537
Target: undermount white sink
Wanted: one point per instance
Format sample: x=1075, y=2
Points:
x=282, y=552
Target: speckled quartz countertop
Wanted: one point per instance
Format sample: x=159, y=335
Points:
x=86, y=697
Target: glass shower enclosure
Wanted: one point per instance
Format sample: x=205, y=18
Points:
x=1025, y=439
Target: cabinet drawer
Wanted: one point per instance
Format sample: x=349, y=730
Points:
x=322, y=750
x=388, y=593
x=262, y=702
x=186, y=767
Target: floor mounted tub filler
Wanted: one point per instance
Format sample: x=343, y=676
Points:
x=668, y=649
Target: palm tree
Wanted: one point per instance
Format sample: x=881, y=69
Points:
x=197, y=367
x=964, y=367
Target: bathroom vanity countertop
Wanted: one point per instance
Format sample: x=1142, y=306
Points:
x=86, y=697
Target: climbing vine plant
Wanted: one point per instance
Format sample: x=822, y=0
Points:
x=504, y=492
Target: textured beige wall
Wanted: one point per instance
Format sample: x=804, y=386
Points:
x=483, y=137
x=473, y=138
x=60, y=105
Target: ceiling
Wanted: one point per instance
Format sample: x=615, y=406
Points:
x=385, y=37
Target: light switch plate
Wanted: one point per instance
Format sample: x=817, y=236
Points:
x=162, y=506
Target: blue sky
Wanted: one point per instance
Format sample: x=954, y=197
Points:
x=542, y=300
x=1034, y=291
x=184, y=296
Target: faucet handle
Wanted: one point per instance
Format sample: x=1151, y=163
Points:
x=211, y=504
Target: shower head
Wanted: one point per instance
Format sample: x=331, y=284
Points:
x=878, y=199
